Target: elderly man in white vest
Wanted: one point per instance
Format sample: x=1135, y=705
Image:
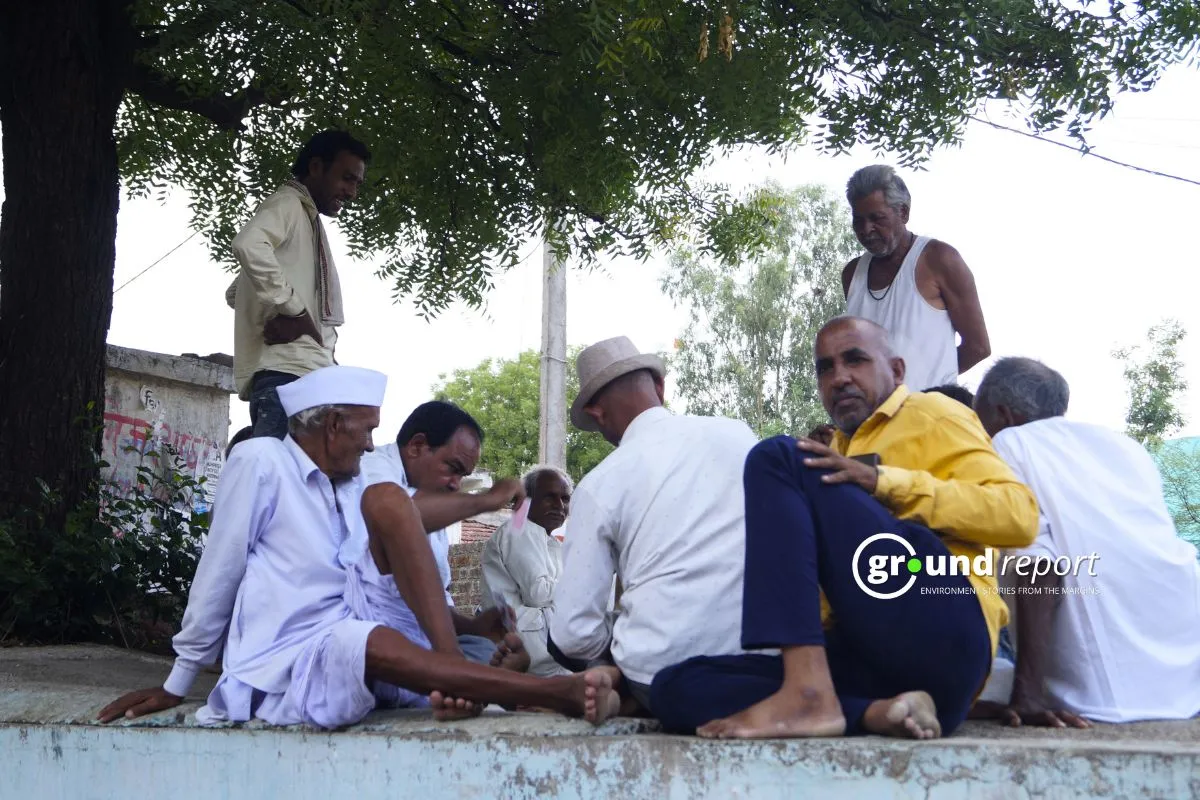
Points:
x=919, y=289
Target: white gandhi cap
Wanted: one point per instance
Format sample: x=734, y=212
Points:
x=333, y=386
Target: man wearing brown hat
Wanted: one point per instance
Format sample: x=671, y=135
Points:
x=665, y=513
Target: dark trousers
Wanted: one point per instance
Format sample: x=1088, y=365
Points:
x=266, y=412
x=801, y=536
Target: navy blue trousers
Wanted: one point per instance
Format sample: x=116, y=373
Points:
x=266, y=411
x=801, y=536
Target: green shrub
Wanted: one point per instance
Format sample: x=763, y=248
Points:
x=117, y=571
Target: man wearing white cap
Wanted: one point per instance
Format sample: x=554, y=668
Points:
x=289, y=572
x=665, y=513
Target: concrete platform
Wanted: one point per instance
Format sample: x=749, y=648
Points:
x=53, y=749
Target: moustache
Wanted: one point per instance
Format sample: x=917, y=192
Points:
x=848, y=395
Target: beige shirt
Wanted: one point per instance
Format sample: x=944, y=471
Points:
x=522, y=566
x=277, y=251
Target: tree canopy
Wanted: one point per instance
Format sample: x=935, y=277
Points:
x=748, y=350
x=502, y=395
x=489, y=117
x=490, y=120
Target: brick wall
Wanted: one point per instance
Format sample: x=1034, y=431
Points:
x=466, y=577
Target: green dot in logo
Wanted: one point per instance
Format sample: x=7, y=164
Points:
x=914, y=565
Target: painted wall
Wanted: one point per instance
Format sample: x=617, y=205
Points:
x=161, y=403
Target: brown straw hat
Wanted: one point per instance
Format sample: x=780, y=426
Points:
x=600, y=365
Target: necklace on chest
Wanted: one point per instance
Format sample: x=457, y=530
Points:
x=912, y=237
x=886, y=289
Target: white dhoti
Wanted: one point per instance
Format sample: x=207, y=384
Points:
x=327, y=685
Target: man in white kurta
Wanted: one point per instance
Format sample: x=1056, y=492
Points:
x=665, y=513
x=1123, y=642
x=296, y=648
x=522, y=560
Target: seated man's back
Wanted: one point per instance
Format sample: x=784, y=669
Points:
x=1126, y=636
x=665, y=511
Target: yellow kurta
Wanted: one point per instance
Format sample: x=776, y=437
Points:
x=938, y=469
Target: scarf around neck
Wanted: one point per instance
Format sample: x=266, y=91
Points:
x=328, y=287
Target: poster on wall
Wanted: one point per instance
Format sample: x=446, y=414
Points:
x=210, y=472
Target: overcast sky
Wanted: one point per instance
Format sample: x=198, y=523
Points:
x=1072, y=257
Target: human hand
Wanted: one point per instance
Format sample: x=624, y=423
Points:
x=281, y=329
x=845, y=470
x=139, y=703
x=505, y=492
x=1035, y=715
x=493, y=623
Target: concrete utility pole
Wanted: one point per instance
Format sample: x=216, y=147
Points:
x=552, y=429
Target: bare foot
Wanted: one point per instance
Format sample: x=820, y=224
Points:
x=600, y=699
x=628, y=705
x=911, y=715
x=511, y=654
x=794, y=714
x=447, y=708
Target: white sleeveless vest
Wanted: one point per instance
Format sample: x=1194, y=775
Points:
x=922, y=335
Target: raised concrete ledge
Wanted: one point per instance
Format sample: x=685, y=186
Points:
x=48, y=697
x=181, y=369
x=55, y=761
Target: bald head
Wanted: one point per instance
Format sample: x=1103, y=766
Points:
x=621, y=400
x=870, y=329
x=857, y=370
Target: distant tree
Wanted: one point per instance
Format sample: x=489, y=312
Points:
x=1154, y=381
x=748, y=350
x=1179, y=465
x=502, y=394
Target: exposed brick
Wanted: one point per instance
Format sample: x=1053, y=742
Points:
x=466, y=576
x=476, y=531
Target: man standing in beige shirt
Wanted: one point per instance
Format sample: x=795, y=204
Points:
x=287, y=300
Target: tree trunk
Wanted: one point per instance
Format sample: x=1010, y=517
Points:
x=62, y=68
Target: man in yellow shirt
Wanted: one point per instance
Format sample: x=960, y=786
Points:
x=894, y=525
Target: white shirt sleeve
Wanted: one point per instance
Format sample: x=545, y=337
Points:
x=379, y=467
x=497, y=580
x=580, y=627
x=439, y=543
x=242, y=505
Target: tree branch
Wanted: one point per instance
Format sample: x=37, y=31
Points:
x=523, y=27
x=226, y=112
x=296, y=5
